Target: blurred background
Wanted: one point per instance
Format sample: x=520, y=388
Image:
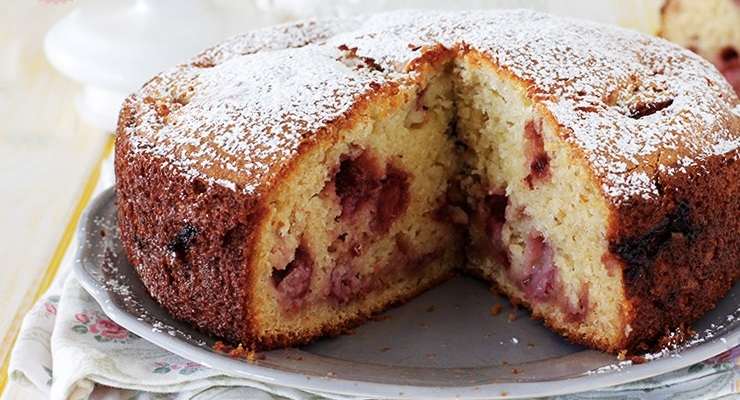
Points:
x=66, y=65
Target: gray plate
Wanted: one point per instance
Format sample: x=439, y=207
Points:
x=443, y=344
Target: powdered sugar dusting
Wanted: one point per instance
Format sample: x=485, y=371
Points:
x=250, y=114
x=637, y=107
x=274, y=38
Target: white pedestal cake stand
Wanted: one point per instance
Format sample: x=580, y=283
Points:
x=113, y=46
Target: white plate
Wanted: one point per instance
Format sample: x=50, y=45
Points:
x=443, y=344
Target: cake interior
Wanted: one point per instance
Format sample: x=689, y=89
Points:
x=461, y=163
x=538, y=222
x=355, y=227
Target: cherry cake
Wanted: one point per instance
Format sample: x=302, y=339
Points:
x=291, y=182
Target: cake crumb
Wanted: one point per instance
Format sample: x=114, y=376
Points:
x=515, y=371
x=239, y=351
x=633, y=358
x=504, y=394
x=219, y=346
x=671, y=339
x=253, y=356
x=638, y=359
x=512, y=316
x=496, y=309
x=384, y=349
x=430, y=309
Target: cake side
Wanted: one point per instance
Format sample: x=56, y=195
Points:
x=188, y=239
x=679, y=253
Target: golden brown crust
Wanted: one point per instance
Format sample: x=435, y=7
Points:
x=680, y=253
x=190, y=242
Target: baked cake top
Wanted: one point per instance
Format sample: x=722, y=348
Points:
x=635, y=105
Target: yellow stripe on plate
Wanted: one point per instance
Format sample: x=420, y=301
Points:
x=57, y=257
